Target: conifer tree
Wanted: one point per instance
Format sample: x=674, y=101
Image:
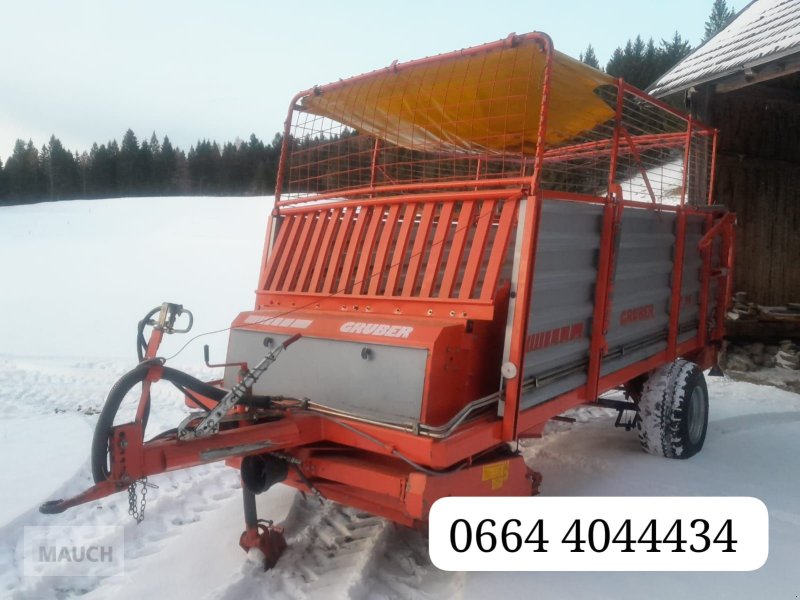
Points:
x=589, y=57
x=721, y=15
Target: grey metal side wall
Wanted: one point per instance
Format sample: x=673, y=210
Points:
x=639, y=319
x=560, y=322
x=389, y=385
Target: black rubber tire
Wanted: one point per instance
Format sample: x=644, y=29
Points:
x=673, y=411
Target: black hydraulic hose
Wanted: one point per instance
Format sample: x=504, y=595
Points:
x=125, y=384
x=141, y=343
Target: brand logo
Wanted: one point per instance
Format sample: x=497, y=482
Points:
x=634, y=315
x=58, y=551
x=278, y=322
x=392, y=331
x=551, y=337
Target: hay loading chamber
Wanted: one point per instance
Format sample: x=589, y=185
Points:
x=462, y=248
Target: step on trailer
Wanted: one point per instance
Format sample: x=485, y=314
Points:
x=462, y=248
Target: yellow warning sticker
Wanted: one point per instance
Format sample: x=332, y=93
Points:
x=496, y=474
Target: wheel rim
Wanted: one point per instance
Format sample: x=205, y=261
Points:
x=697, y=415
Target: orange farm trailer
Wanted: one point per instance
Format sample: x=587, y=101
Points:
x=462, y=248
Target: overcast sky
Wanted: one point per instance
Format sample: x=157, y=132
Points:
x=86, y=70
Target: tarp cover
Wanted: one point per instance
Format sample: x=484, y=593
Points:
x=479, y=102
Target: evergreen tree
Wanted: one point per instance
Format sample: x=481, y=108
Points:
x=166, y=168
x=3, y=185
x=128, y=164
x=60, y=170
x=24, y=178
x=589, y=57
x=641, y=63
x=144, y=169
x=721, y=15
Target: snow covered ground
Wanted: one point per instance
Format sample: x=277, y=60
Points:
x=77, y=277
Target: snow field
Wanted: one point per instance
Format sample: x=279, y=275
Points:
x=78, y=276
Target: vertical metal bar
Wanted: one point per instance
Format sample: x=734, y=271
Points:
x=286, y=148
x=686, y=157
x=477, y=250
x=597, y=344
x=612, y=171
x=713, y=168
x=437, y=248
x=324, y=258
x=336, y=254
x=376, y=220
x=499, y=248
x=299, y=252
x=399, y=254
x=269, y=259
x=677, y=285
x=457, y=249
x=382, y=252
x=283, y=251
x=250, y=510
x=265, y=256
x=418, y=248
x=311, y=256
x=353, y=248
x=638, y=158
x=374, y=167
x=723, y=287
x=705, y=284
x=530, y=232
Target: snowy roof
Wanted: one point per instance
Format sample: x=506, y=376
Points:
x=763, y=31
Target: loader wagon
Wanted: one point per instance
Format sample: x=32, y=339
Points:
x=462, y=248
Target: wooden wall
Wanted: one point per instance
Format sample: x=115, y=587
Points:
x=758, y=177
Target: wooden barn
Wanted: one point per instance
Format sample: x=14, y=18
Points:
x=745, y=81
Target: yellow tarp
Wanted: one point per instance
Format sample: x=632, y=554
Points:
x=485, y=102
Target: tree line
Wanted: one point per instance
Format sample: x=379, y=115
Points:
x=156, y=168
x=130, y=168
x=641, y=63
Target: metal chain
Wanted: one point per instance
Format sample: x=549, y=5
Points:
x=137, y=512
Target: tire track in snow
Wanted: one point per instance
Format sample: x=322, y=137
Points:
x=339, y=552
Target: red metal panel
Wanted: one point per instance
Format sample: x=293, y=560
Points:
x=299, y=252
x=457, y=249
x=499, y=249
x=418, y=249
x=375, y=221
x=311, y=256
x=353, y=249
x=477, y=250
x=399, y=254
x=277, y=251
x=331, y=225
x=383, y=250
x=336, y=254
x=437, y=247
x=285, y=253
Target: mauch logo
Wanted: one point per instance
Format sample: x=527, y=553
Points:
x=60, y=551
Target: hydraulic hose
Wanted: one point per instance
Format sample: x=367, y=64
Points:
x=125, y=384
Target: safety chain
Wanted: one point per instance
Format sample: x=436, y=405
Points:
x=134, y=511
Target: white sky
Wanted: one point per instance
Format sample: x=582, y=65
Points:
x=86, y=70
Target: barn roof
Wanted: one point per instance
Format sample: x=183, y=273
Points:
x=764, y=31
